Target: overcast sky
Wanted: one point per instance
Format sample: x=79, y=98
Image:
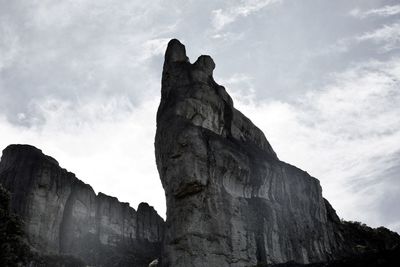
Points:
x=81, y=81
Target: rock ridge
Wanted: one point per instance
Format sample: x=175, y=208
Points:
x=63, y=215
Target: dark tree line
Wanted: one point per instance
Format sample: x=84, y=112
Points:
x=14, y=248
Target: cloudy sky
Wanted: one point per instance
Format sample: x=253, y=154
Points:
x=80, y=79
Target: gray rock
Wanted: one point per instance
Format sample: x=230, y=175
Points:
x=154, y=263
x=64, y=215
x=230, y=200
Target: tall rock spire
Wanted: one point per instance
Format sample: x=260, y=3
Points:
x=230, y=200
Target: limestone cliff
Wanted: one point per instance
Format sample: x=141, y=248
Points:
x=63, y=215
x=230, y=200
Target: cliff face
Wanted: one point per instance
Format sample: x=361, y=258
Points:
x=64, y=215
x=230, y=200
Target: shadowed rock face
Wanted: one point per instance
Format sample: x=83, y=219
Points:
x=64, y=215
x=230, y=200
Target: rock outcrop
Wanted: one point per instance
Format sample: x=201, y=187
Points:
x=230, y=200
x=63, y=215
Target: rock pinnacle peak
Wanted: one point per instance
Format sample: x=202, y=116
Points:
x=205, y=63
x=175, y=52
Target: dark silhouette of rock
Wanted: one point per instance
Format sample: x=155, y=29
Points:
x=230, y=200
x=63, y=215
x=14, y=248
x=382, y=258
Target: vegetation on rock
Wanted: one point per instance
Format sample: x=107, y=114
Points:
x=14, y=248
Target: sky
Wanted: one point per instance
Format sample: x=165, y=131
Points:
x=81, y=80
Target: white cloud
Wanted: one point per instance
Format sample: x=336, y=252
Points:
x=228, y=37
x=385, y=11
x=347, y=135
x=77, y=49
x=240, y=84
x=388, y=35
x=9, y=45
x=107, y=143
x=223, y=17
x=154, y=47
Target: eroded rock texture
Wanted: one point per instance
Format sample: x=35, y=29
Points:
x=63, y=215
x=230, y=200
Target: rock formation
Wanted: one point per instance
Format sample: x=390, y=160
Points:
x=63, y=215
x=230, y=200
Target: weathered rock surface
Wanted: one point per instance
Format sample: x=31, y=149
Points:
x=230, y=200
x=63, y=215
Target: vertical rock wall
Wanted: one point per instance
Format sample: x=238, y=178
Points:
x=230, y=200
x=64, y=215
